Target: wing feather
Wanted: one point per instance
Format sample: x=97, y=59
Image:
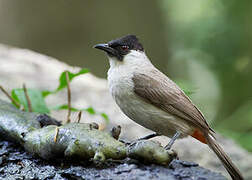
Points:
x=165, y=94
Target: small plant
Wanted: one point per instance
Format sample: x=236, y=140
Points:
x=23, y=98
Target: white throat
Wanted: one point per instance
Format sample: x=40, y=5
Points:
x=131, y=60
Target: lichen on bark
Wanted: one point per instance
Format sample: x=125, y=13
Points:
x=72, y=140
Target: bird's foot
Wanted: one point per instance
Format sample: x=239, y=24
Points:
x=141, y=139
x=173, y=153
x=149, y=136
x=173, y=139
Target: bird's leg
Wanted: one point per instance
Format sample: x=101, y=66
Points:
x=149, y=136
x=140, y=139
x=173, y=139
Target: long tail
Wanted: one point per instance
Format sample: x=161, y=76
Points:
x=226, y=161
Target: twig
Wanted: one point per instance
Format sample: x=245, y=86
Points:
x=68, y=98
x=12, y=99
x=56, y=134
x=27, y=98
x=22, y=108
x=79, y=116
x=102, y=126
x=115, y=132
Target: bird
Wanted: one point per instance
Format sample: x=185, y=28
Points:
x=153, y=100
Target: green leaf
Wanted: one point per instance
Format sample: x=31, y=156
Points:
x=45, y=93
x=64, y=107
x=90, y=110
x=63, y=81
x=36, y=98
x=105, y=116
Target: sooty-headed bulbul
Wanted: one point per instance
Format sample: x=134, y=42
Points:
x=151, y=99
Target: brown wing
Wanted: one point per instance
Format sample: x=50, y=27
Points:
x=165, y=94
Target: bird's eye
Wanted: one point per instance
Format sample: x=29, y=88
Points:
x=125, y=47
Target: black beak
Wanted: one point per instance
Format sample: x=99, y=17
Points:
x=109, y=50
x=105, y=47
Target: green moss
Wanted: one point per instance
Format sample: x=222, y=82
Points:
x=150, y=152
x=73, y=140
x=15, y=123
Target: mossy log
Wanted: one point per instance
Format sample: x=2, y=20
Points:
x=74, y=140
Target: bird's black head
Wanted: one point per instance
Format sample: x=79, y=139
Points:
x=120, y=47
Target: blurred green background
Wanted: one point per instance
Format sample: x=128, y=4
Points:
x=205, y=46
